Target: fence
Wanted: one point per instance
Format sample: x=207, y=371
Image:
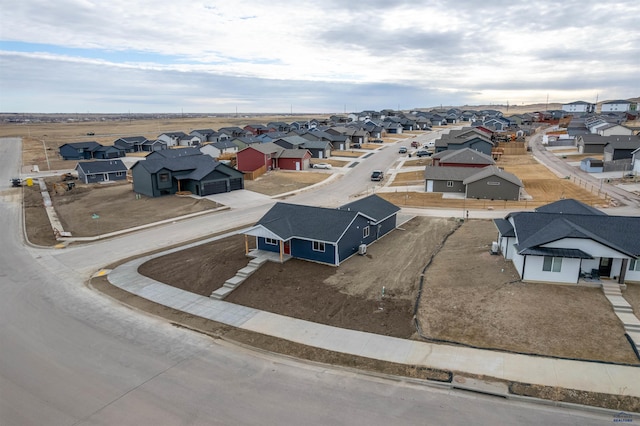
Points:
x=255, y=174
x=617, y=165
x=513, y=148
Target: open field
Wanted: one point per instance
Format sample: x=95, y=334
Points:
x=418, y=161
x=332, y=161
x=632, y=294
x=409, y=178
x=53, y=135
x=350, y=154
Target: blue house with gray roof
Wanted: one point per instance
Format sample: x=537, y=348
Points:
x=323, y=235
x=566, y=241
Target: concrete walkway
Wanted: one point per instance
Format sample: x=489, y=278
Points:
x=623, y=311
x=587, y=376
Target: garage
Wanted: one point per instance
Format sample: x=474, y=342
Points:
x=215, y=187
x=236, y=183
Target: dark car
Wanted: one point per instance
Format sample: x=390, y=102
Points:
x=377, y=141
x=402, y=150
x=356, y=145
x=415, y=144
x=423, y=153
x=377, y=175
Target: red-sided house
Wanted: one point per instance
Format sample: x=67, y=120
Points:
x=257, y=155
x=272, y=156
x=294, y=159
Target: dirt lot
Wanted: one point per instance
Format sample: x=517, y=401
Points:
x=484, y=304
x=115, y=204
x=349, y=296
x=280, y=181
x=632, y=294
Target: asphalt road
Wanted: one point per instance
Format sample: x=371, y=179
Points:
x=69, y=356
x=563, y=169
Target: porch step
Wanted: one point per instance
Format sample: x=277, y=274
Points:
x=221, y=293
x=246, y=271
x=257, y=261
x=233, y=282
x=619, y=303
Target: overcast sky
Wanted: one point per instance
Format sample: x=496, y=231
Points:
x=312, y=56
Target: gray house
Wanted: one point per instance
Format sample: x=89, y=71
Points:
x=482, y=183
x=199, y=174
x=101, y=171
x=494, y=184
x=476, y=142
x=621, y=148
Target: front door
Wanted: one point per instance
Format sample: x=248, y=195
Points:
x=287, y=247
x=605, y=266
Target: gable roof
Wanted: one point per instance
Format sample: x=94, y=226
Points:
x=493, y=171
x=464, y=156
x=569, y=206
x=87, y=146
x=448, y=173
x=314, y=223
x=175, y=153
x=535, y=229
x=373, y=207
x=108, y=166
x=187, y=167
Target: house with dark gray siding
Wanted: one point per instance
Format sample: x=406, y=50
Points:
x=489, y=182
x=78, y=150
x=101, y=171
x=320, y=234
x=199, y=174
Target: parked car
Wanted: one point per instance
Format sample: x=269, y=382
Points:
x=377, y=141
x=415, y=144
x=423, y=153
x=91, y=133
x=402, y=150
x=430, y=144
x=356, y=145
x=377, y=175
x=322, y=166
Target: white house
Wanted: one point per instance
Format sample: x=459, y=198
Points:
x=616, y=106
x=565, y=241
x=579, y=107
x=635, y=161
x=218, y=148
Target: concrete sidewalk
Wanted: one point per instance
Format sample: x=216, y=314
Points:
x=580, y=375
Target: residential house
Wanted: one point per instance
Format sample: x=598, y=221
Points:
x=465, y=157
x=318, y=148
x=204, y=135
x=234, y=132
x=153, y=145
x=613, y=129
x=565, y=241
x=244, y=141
x=272, y=156
x=200, y=174
x=616, y=106
x=108, y=152
x=258, y=129
x=591, y=144
x=621, y=148
x=78, y=150
x=486, y=183
x=478, y=143
x=635, y=162
x=216, y=149
x=130, y=144
x=579, y=107
x=323, y=235
x=172, y=138
x=279, y=126
x=101, y=171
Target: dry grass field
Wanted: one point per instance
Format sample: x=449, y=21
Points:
x=281, y=181
x=53, y=135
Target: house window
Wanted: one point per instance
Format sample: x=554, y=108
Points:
x=495, y=183
x=271, y=241
x=365, y=232
x=119, y=173
x=552, y=264
x=449, y=184
x=634, y=265
x=164, y=177
x=318, y=246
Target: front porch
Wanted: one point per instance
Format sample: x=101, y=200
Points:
x=270, y=256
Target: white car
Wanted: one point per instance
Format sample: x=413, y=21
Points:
x=429, y=144
x=322, y=166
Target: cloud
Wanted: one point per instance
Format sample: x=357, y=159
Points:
x=319, y=54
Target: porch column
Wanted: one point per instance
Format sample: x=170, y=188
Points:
x=246, y=244
x=281, y=250
x=623, y=271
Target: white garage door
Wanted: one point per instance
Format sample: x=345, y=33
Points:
x=429, y=186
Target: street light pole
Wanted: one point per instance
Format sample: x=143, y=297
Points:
x=46, y=156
